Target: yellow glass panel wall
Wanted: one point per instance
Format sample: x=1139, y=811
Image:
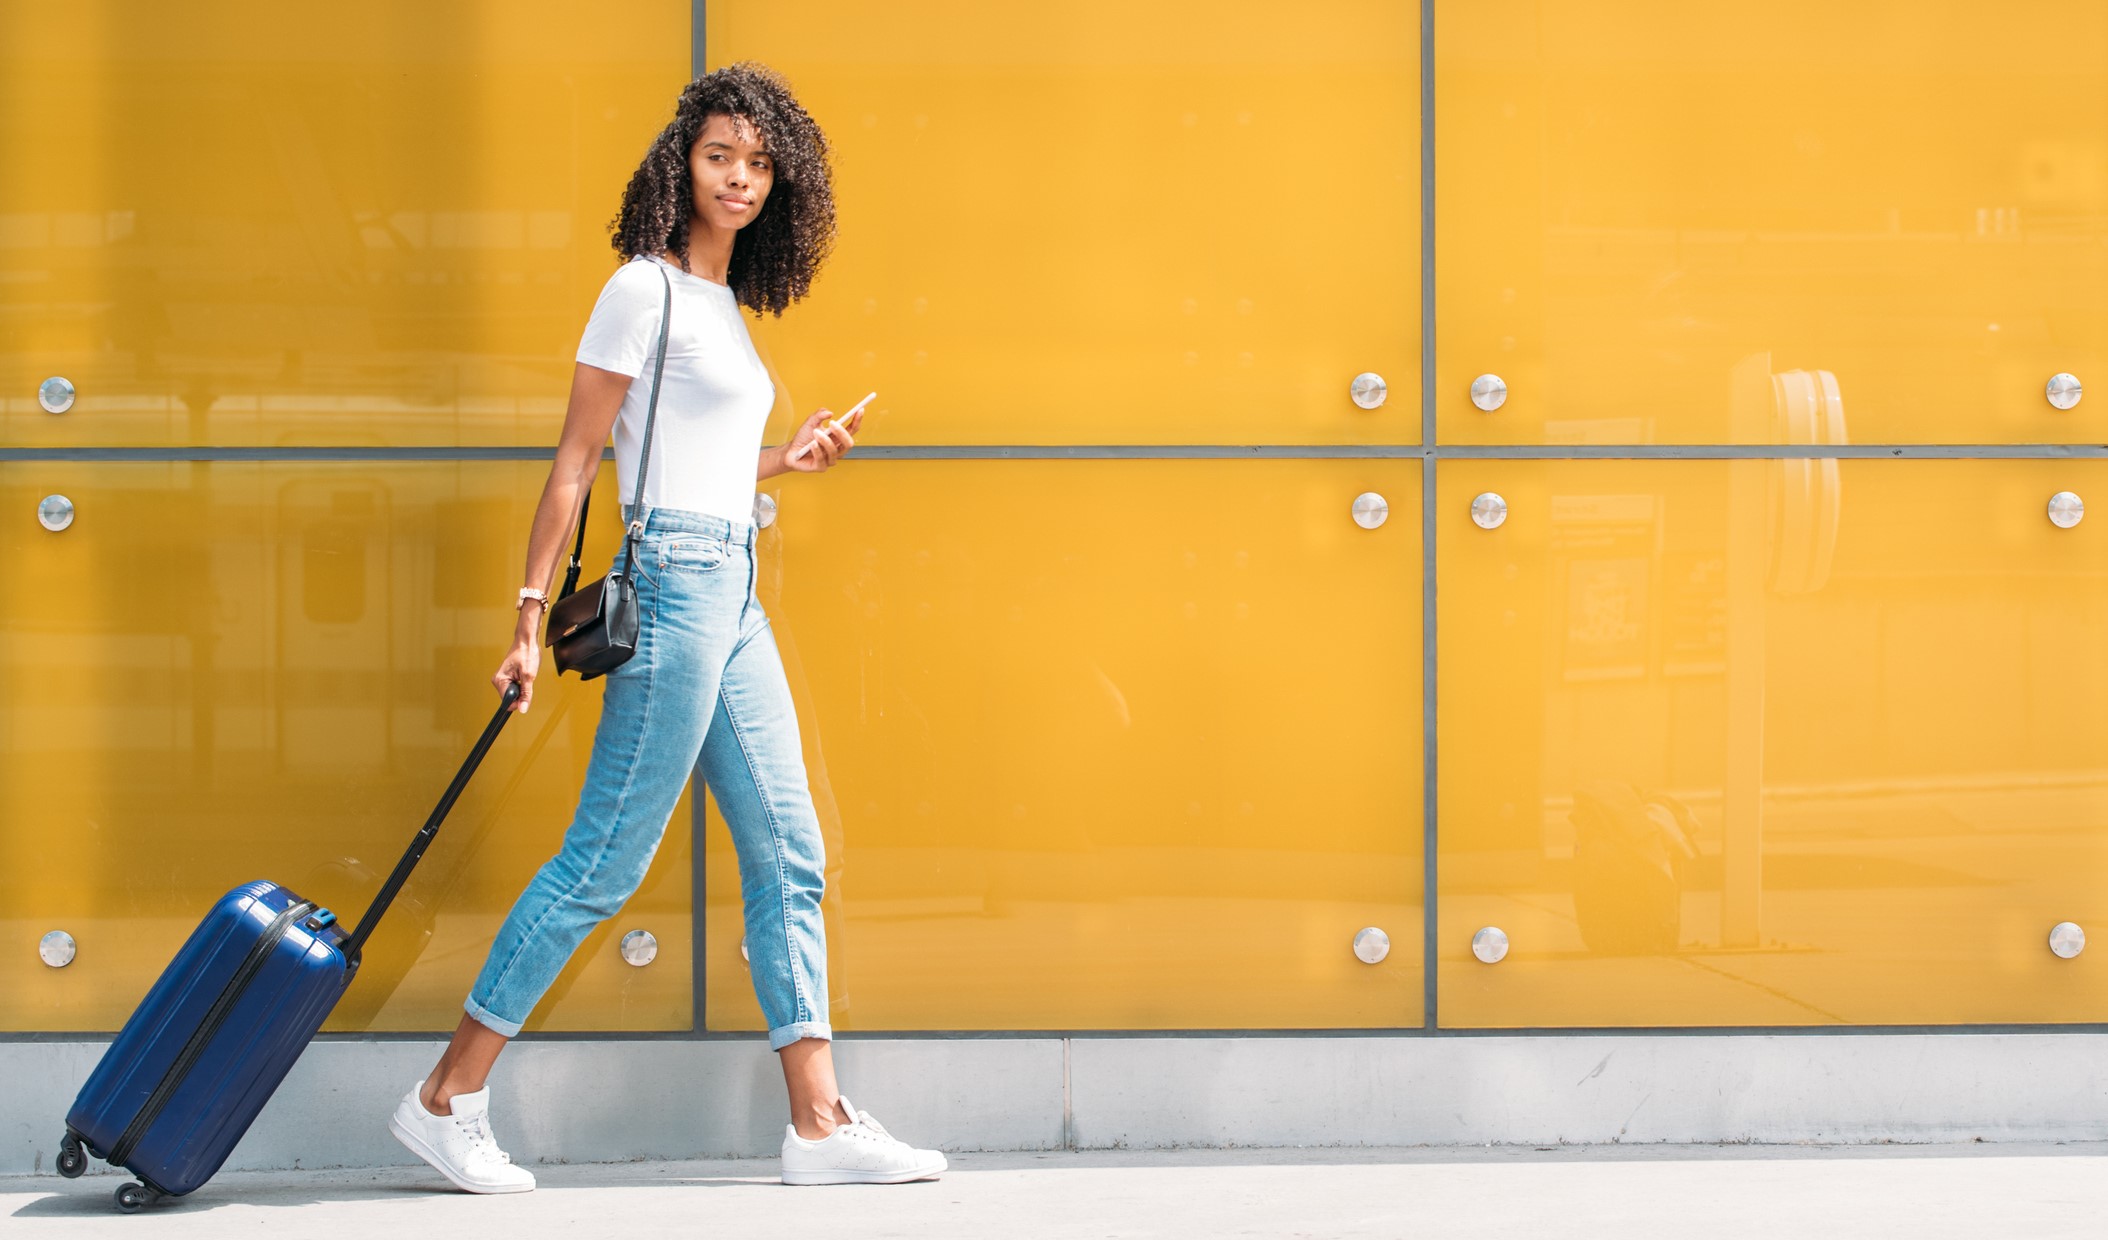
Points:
x=1107, y=223
x=1767, y=742
x=1101, y=744
x=244, y=223
x=1635, y=195
x=224, y=672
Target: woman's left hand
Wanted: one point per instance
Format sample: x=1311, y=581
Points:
x=829, y=442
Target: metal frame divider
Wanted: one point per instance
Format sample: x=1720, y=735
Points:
x=1430, y=938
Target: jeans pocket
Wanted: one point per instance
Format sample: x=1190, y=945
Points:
x=694, y=553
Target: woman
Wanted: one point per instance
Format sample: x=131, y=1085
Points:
x=731, y=207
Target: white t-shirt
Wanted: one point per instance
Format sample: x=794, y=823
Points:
x=714, y=398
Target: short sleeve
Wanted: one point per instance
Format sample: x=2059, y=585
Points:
x=624, y=326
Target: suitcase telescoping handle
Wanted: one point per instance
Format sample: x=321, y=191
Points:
x=417, y=847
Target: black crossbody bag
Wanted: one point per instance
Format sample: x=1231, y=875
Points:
x=594, y=631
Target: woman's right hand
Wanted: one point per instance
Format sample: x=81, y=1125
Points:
x=520, y=664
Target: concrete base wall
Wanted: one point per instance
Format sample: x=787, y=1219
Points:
x=595, y=1101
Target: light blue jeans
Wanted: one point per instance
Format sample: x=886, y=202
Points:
x=704, y=694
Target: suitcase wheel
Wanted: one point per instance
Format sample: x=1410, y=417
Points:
x=131, y=1197
x=72, y=1159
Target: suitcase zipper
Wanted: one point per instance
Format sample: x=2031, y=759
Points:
x=215, y=1016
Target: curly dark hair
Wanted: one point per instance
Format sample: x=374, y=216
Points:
x=776, y=256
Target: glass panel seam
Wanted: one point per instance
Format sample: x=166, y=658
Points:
x=989, y=1035
x=1430, y=991
x=1042, y=452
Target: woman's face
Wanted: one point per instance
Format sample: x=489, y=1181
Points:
x=732, y=173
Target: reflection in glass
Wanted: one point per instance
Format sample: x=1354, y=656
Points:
x=1122, y=750
x=1634, y=194
x=1723, y=748
x=1125, y=763
x=225, y=238
x=272, y=671
x=989, y=318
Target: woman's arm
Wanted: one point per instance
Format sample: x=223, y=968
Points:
x=771, y=462
x=596, y=397
x=831, y=442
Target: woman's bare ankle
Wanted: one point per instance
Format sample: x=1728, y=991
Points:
x=438, y=1096
x=819, y=1122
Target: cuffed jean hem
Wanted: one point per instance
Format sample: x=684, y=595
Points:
x=780, y=1038
x=489, y=1019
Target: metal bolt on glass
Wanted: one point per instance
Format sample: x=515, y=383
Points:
x=1490, y=944
x=1489, y=392
x=1371, y=945
x=56, y=949
x=2066, y=510
x=2063, y=390
x=1371, y=510
x=764, y=509
x=640, y=947
x=1489, y=510
x=55, y=394
x=2066, y=939
x=1368, y=389
x=55, y=512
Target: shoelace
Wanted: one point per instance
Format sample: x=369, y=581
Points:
x=864, y=1118
x=865, y=1128
x=481, y=1140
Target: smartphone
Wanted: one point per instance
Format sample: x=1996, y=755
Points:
x=837, y=423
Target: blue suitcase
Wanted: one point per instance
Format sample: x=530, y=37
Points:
x=224, y=1024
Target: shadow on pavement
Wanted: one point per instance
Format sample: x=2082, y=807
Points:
x=94, y=1196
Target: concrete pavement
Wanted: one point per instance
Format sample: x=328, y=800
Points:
x=1624, y=1192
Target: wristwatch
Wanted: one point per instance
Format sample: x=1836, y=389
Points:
x=529, y=592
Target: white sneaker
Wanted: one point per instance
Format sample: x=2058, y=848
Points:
x=460, y=1145
x=862, y=1152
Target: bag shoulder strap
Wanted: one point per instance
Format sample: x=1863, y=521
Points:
x=638, y=512
x=578, y=547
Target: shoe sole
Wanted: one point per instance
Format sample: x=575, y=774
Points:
x=416, y=1145
x=863, y=1177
